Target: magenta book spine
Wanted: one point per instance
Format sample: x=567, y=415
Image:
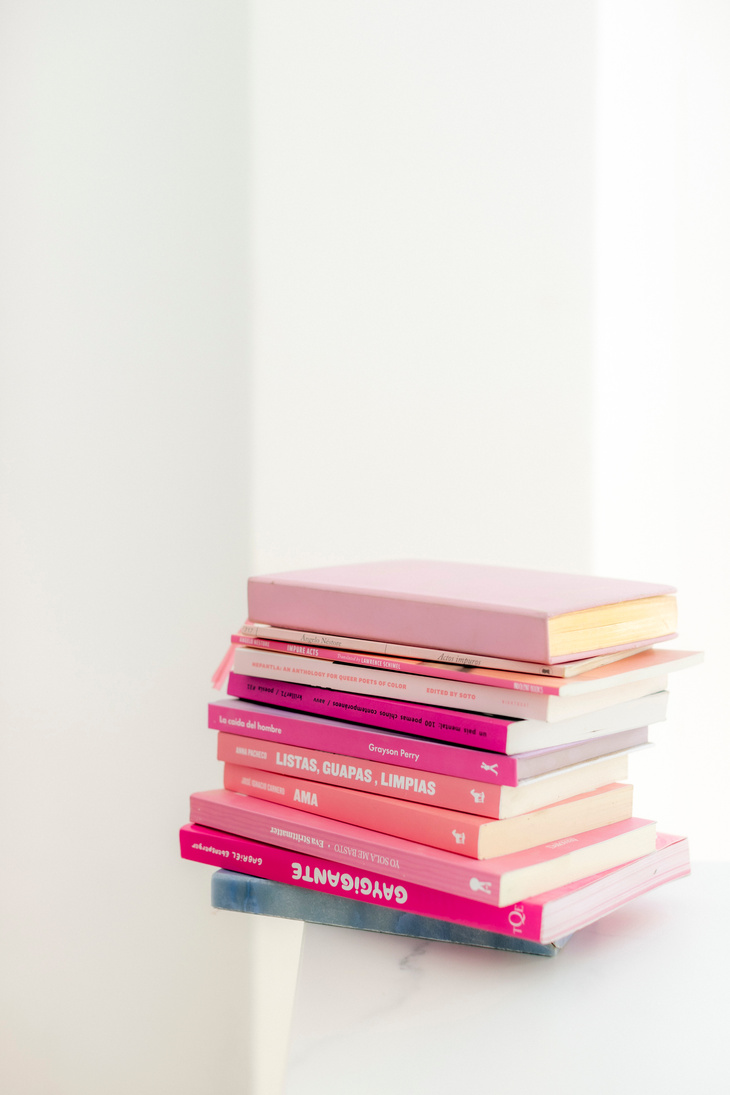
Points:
x=444, y=724
x=494, y=679
x=368, y=744
x=235, y=853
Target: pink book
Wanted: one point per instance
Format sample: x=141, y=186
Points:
x=465, y=834
x=251, y=629
x=637, y=667
x=465, y=795
x=492, y=611
x=543, y=918
x=414, y=688
x=297, y=728
x=499, y=735
x=499, y=881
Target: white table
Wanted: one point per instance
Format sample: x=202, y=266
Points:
x=637, y=1003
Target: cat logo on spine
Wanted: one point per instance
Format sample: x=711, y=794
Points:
x=477, y=884
x=490, y=767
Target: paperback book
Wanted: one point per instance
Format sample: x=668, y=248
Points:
x=451, y=792
x=637, y=667
x=502, y=880
x=541, y=918
x=465, y=834
x=490, y=732
x=413, y=688
x=248, y=894
x=422, y=653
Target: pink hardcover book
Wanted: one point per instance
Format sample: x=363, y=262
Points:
x=492, y=611
x=499, y=881
x=499, y=735
x=465, y=834
x=294, y=728
x=464, y=795
x=542, y=918
x=638, y=667
x=471, y=696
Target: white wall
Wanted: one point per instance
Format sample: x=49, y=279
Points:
x=662, y=346
x=125, y=538
x=422, y=227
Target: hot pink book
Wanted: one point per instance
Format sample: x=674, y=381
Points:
x=542, y=918
x=492, y=611
x=415, y=688
x=297, y=728
x=431, y=788
x=500, y=735
x=637, y=667
x=465, y=834
x=499, y=881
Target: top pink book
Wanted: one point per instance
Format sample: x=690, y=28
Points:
x=528, y=615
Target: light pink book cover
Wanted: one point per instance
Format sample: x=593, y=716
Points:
x=649, y=663
x=489, y=880
x=597, y=895
x=493, y=611
x=430, y=788
x=435, y=826
x=300, y=729
x=470, y=696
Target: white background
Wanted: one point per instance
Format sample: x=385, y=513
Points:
x=287, y=284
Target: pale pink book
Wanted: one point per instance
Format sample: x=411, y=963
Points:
x=452, y=830
x=430, y=788
x=637, y=667
x=483, y=610
x=416, y=688
x=499, y=881
x=542, y=918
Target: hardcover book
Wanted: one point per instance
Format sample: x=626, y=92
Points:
x=453, y=793
x=465, y=834
x=525, y=615
x=492, y=732
x=499, y=881
x=248, y=894
x=414, y=688
x=541, y=918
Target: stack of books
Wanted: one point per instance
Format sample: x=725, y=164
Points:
x=439, y=749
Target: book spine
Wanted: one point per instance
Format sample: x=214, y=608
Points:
x=458, y=727
x=364, y=743
x=396, y=650
x=380, y=682
x=492, y=678
x=431, y=825
x=354, y=846
x=235, y=853
x=390, y=780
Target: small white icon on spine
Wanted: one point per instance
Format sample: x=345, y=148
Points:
x=459, y=837
x=490, y=767
x=478, y=796
x=477, y=884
